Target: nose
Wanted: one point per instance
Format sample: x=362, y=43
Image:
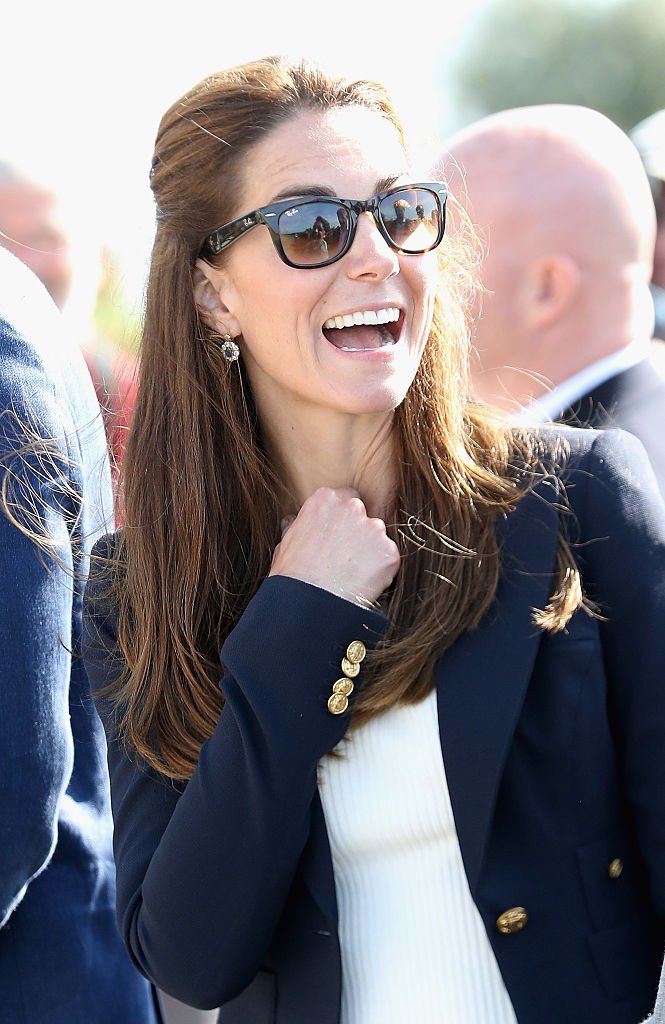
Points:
x=370, y=255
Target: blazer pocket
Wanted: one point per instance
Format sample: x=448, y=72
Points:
x=611, y=880
x=257, y=1004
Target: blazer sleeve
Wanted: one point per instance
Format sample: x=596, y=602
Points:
x=622, y=552
x=36, y=596
x=204, y=869
x=658, y=1016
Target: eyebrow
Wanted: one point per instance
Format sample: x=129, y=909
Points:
x=301, y=191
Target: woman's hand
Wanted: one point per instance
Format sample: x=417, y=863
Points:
x=333, y=544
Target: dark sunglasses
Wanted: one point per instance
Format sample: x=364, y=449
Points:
x=318, y=230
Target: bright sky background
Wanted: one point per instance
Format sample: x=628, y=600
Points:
x=85, y=83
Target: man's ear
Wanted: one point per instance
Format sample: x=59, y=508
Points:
x=209, y=302
x=553, y=283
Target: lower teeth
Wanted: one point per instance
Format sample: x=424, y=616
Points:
x=387, y=339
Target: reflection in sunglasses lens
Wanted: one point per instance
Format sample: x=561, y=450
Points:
x=411, y=218
x=313, y=232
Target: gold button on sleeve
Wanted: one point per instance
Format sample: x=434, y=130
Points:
x=615, y=867
x=356, y=651
x=512, y=920
x=343, y=686
x=350, y=668
x=337, y=703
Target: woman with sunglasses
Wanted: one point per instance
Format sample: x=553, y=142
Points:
x=382, y=676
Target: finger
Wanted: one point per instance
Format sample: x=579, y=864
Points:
x=346, y=492
x=286, y=522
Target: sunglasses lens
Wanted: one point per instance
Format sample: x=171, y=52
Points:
x=312, y=233
x=412, y=218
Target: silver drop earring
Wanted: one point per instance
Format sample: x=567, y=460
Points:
x=230, y=350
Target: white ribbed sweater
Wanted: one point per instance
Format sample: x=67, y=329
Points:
x=413, y=944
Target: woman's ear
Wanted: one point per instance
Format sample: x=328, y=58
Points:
x=209, y=302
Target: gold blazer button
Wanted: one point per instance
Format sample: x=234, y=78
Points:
x=615, y=867
x=343, y=686
x=337, y=703
x=350, y=668
x=356, y=651
x=512, y=920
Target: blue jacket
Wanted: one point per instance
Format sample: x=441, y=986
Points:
x=554, y=748
x=61, y=957
x=634, y=400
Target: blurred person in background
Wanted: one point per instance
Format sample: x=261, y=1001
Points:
x=36, y=225
x=649, y=137
x=61, y=957
x=564, y=329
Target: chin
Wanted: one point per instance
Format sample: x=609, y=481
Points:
x=380, y=402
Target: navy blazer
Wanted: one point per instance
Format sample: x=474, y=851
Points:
x=61, y=956
x=554, y=750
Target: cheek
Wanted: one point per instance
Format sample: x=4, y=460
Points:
x=423, y=278
x=278, y=302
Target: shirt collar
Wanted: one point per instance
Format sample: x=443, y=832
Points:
x=550, y=405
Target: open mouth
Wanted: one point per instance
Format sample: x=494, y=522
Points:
x=364, y=330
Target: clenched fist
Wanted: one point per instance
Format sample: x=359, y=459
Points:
x=333, y=544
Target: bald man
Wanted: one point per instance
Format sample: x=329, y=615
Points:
x=563, y=206
x=649, y=137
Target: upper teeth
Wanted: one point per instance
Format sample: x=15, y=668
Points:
x=368, y=316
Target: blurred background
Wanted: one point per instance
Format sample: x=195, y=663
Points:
x=84, y=86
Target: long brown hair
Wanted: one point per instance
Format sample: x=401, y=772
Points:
x=199, y=496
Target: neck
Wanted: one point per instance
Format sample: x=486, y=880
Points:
x=336, y=450
x=609, y=313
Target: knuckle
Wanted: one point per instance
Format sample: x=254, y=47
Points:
x=393, y=551
x=319, y=499
x=377, y=525
x=344, y=493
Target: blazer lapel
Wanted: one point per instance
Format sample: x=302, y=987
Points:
x=482, y=679
x=596, y=408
